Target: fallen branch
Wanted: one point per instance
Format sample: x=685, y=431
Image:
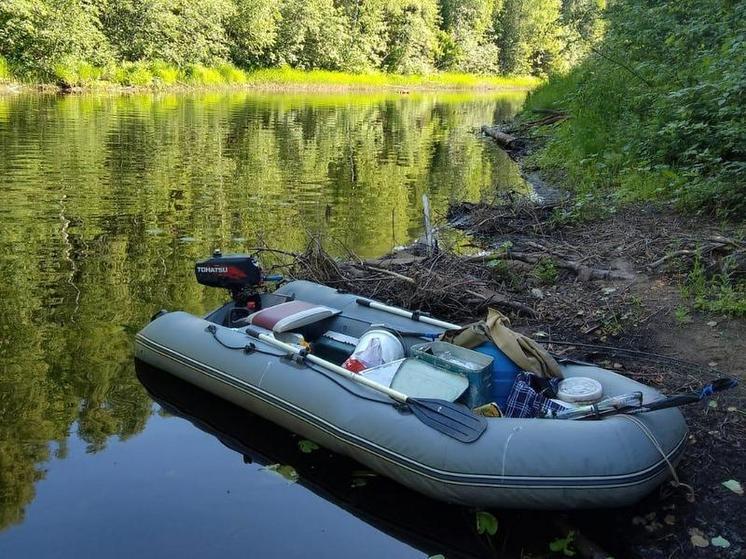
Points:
x=505, y=140
x=584, y=273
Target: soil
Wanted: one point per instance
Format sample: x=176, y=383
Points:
x=600, y=287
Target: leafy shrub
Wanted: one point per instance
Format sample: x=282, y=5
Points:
x=135, y=74
x=648, y=123
x=718, y=294
x=163, y=73
x=5, y=75
x=230, y=74
x=196, y=74
x=71, y=73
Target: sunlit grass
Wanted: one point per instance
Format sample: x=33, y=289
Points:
x=325, y=78
x=5, y=75
x=159, y=74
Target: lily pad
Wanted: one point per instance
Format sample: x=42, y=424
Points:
x=486, y=523
x=720, y=541
x=307, y=446
x=734, y=486
x=284, y=470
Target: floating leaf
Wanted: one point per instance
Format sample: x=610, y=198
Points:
x=564, y=544
x=284, y=470
x=307, y=446
x=697, y=538
x=720, y=541
x=486, y=523
x=734, y=486
x=438, y=556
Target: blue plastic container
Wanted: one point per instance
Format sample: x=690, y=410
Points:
x=504, y=372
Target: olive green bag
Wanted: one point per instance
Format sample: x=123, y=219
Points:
x=522, y=350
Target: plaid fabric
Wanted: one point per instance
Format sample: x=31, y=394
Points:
x=527, y=397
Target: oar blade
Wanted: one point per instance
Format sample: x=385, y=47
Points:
x=453, y=420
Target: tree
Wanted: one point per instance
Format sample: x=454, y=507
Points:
x=179, y=32
x=252, y=31
x=37, y=35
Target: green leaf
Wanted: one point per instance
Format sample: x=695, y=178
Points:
x=734, y=486
x=438, y=556
x=564, y=545
x=720, y=541
x=284, y=470
x=307, y=446
x=486, y=523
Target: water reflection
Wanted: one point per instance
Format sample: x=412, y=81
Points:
x=108, y=200
x=411, y=518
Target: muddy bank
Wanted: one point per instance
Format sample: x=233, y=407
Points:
x=607, y=291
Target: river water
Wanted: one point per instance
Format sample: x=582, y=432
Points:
x=105, y=203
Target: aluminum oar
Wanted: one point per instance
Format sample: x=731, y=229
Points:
x=416, y=315
x=451, y=419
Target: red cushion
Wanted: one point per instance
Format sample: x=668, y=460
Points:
x=290, y=315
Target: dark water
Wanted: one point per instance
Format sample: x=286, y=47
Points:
x=105, y=202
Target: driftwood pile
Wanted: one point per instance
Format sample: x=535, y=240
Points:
x=442, y=283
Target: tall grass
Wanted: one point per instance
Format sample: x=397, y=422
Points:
x=5, y=75
x=286, y=76
x=159, y=74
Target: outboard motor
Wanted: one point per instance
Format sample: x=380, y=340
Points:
x=238, y=273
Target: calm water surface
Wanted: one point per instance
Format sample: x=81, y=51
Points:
x=105, y=203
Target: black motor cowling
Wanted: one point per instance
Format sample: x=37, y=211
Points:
x=234, y=272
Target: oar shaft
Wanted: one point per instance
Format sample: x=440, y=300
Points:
x=360, y=379
x=408, y=314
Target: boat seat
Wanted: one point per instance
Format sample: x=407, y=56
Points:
x=291, y=315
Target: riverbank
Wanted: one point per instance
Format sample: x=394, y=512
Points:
x=645, y=121
x=622, y=290
x=159, y=77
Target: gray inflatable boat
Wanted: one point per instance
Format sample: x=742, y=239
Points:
x=515, y=463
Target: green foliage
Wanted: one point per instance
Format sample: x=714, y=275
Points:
x=306, y=446
x=136, y=74
x=196, y=74
x=252, y=31
x=37, y=35
x=531, y=36
x=72, y=73
x=656, y=110
x=546, y=272
x=54, y=39
x=682, y=315
x=486, y=523
x=719, y=293
x=163, y=73
x=564, y=545
x=179, y=32
x=5, y=75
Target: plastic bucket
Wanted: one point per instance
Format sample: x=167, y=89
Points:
x=504, y=372
x=375, y=347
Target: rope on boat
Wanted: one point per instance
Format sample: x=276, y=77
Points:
x=246, y=348
x=651, y=436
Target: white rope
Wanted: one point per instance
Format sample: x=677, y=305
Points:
x=651, y=437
